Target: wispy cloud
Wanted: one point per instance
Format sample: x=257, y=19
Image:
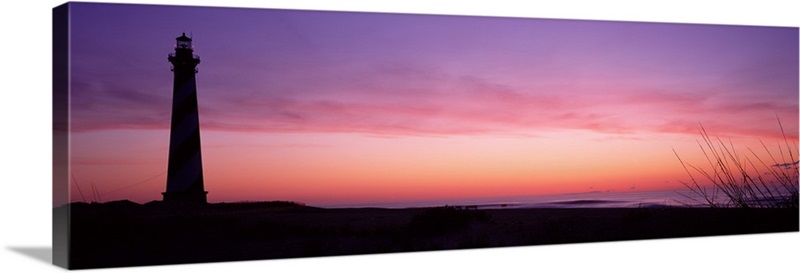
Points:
x=444, y=105
x=787, y=165
x=101, y=107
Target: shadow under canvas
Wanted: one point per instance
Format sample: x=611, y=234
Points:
x=42, y=254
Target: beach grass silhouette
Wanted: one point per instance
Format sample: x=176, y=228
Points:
x=744, y=180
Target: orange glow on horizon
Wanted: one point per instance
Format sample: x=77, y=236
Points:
x=342, y=168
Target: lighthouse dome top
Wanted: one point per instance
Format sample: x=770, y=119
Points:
x=183, y=37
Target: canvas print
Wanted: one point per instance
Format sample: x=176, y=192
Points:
x=201, y=134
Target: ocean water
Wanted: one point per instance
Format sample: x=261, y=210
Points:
x=631, y=199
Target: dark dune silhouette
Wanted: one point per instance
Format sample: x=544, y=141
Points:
x=587, y=202
x=124, y=233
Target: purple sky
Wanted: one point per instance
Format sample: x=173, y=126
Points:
x=278, y=70
x=318, y=106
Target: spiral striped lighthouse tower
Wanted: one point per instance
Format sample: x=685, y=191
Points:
x=185, y=167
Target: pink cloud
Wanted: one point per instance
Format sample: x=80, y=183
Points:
x=407, y=99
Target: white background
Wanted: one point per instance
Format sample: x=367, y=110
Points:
x=25, y=147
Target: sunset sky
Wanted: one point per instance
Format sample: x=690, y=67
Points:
x=333, y=108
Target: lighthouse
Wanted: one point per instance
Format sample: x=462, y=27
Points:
x=185, y=166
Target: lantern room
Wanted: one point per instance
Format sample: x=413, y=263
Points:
x=183, y=42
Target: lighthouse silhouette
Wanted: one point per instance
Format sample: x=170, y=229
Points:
x=185, y=167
